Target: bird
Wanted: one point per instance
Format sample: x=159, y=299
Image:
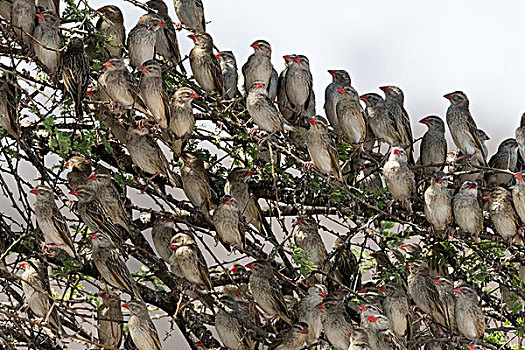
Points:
x=343, y=265
x=469, y=316
x=359, y=340
x=396, y=308
x=191, y=14
x=395, y=99
x=336, y=322
x=190, y=260
x=445, y=288
x=379, y=120
x=259, y=66
x=230, y=330
x=282, y=99
x=110, y=321
x=266, y=291
x=153, y=93
x=520, y=136
x=311, y=311
x=37, y=295
x=463, y=128
x=292, y=338
x=467, y=211
x=228, y=223
x=399, y=178
x=9, y=103
x=182, y=120
x=142, y=39
x=321, y=148
x=438, y=203
x=350, y=116
x=141, y=328
x=378, y=328
x=205, y=67
x=506, y=158
x=369, y=178
x=76, y=72
x=5, y=10
x=48, y=41
x=196, y=184
x=23, y=19
x=518, y=196
x=51, y=221
x=263, y=111
x=111, y=26
x=80, y=169
x=299, y=86
x=111, y=265
x=483, y=137
x=340, y=79
x=433, y=148
x=502, y=214
x=307, y=238
x=161, y=233
x=118, y=83
x=51, y=5
x=424, y=292
x=167, y=44
x=229, y=73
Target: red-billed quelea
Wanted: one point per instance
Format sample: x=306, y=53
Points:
x=5, y=10
x=9, y=103
x=141, y=328
x=445, y=288
x=228, y=326
x=399, y=178
x=191, y=14
x=518, y=196
x=181, y=120
x=350, y=116
x=76, y=72
x=343, y=266
x=23, y=19
x=337, y=324
x=466, y=208
x=293, y=338
x=311, y=311
x=359, y=340
x=299, y=86
x=463, y=128
x=228, y=223
x=142, y=39
x=161, y=233
x=189, y=258
x=230, y=76
x=153, y=92
x=80, y=171
x=506, y=159
x=438, y=203
x=321, y=148
x=307, y=238
x=483, y=138
x=51, y=221
x=204, y=65
x=433, y=149
x=195, y=183
x=503, y=215
x=259, y=66
x=381, y=125
x=340, y=79
x=282, y=99
x=48, y=41
x=111, y=26
x=469, y=316
x=397, y=309
x=110, y=320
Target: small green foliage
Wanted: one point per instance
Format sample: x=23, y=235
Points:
x=302, y=259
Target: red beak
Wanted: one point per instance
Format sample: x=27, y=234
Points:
x=107, y=64
x=487, y=138
x=322, y=295
x=403, y=247
x=332, y=72
x=384, y=89
x=437, y=283
x=192, y=37
x=304, y=331
x=126, y=305
x=228, y=202
x=396, y=151
x=518, y=176
x=259, y=85
x=234, y=269
x=312, y=121
x=194, y=95
x=472, y=186
x=255, y=45
x=67, y=163
x=23, y=264
x=448, y=96
x=458, y=291
x=218, y=55
x=169, y=219
x=89, y=92
x=161, y=24
x=104, y=296
x=250, y=173
x=362, y=98
x=34, y=191
x=372, y=318
x=74, y=193
x=321, y=306
x=93, y=235
x=143, y=69
x=287, y=58
x=297, y=60
x=516, y=144
x=341, y=91
x=173, y=247
x=101, y=10
x=424, y=121
x=382, y=288
x=40, y=16
x=487, y=197
x=362, y=307
x=374, y=255
x=93, y=176
x=299, y=222
x=249, y=266
x=238, y=294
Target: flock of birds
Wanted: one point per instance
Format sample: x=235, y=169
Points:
x=276, y=103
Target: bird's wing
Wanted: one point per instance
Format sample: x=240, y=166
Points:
x=200, y=8
x=473, y=129
x=203, y=268
x=60, y=223
x=171, y=36
x=216, y=72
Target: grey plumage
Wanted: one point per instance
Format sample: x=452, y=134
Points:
x=506, y=159
x=181, y=121
x=322, y=149
x=153, y=92
x=282, y=99
x=309, y=312
x=141, y=328
x=110, y=320
x=381, y=124
x=292, y=338
x=520, y=136
x=445, y=288
x=359, y=340
x=469, y=316
x=76, y=73
x=259, y=66
x=111, y=26
x=340, y=79
x=397, y=309
x=467, y=212
x=433, y=148
x=483, y=138
x=23, y=17
x=80, y=170
x=336, y=323
x=350, y=116
x=230, y=76
x=9, y=103
x=502, y=213
x=518, y=196
x=191, y=14
x=205, y=66
x=142, y=39
x=307, y=238
x=438, y=203
x=195, y=183
x=299, y=85
x=228, y=223
x=399, y=178
x=161, y=234
x=230, y=330
x=48, y=41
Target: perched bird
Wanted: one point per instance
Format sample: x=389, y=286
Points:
x=141, y=328
x=469, y=316
x=395, y=99
x=293, y=338
x=266, y=291
x=189, y=258
x=337, y=325
x=340, y=79
x=167, y=44
x=424, y=292
x=438, y=203
x=5, y=10
x=282, y=99
x=118, y=83
x=142, y=39
x=23, y=19
x=230, y=330
x=463, y=127
x=48, y=41
x=520, y=136
x=307, y=238
x=196, y=184
x=80, y=171
x=51, y=221
x=399, y=178
x=466, y=208
x=249, y=208
x=191, y=14
x=229, y=73
x=263, y=111
x=110, y=321
x=445, y=288
x=350, y=116
x=228, y=223
x=111, y=265
x=76, y=72
x=483, y=137
x=506, y=159
x=518, y=196
x=51, y=5
x=433, y=148
x=397, y=309
x=311, y=311
x=321, y=148
x=204, y=65
x=259, y=66
x=359, y=340
x=299, y=85
x=9, y=103
x=161, y=233
x=379, y=120
x=181, y=120
x=368, y=177
x=153, y=92
x=111, y=26
x=343, y=266
x=502, y=214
